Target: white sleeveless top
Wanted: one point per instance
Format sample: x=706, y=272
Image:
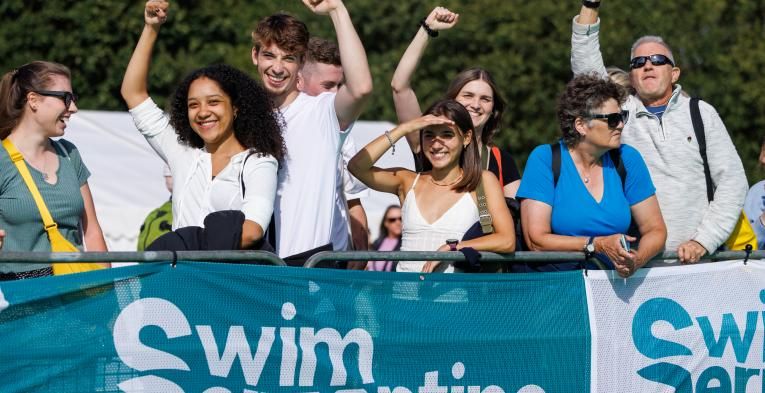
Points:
x=419, y=235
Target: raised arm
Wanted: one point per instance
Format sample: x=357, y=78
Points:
x=352, y=95
x=134, y=84
x=404, y=98
x=585, y=43
x=391, y=180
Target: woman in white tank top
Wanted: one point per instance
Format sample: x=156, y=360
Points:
x=439, y=204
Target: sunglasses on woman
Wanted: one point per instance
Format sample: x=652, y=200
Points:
x=613, y=119
x=392, y=219
x=66, y=96
x=657, y=60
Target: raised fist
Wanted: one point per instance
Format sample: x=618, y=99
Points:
x=441, y=19
x=155, y=12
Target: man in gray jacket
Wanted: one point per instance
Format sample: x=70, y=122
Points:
x=660, y=127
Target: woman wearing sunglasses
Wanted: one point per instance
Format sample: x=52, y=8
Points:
x=36, y=102
x=590, y=206
x=439, y=204
x=222, y=140
x=389, y=240
x=474, y=88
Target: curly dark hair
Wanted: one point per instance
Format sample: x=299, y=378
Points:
x=257, y=125
x=583, y=95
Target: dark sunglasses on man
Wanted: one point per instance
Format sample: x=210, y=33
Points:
x=66, y=96
x=613, y=119
x=657, y=60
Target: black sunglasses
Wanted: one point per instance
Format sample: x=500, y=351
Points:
x=657, y=60
x=392, y=219
x=66, y=96
x=613, y=119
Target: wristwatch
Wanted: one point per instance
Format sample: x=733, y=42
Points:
x=452, y=243
x=589, y=247
x=591, y=4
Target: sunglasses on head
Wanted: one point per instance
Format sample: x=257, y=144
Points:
x=66, y=96
x=392, y=219
x=613, y=119
x=657, y=60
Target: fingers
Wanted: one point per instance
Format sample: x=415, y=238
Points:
x=690, y=252
x=428, y=267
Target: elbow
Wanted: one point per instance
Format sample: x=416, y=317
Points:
x=362, y=90
x=398, y=87
x=354, y=167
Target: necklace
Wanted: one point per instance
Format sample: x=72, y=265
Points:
x=453, y=182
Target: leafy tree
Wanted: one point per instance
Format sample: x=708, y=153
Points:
x=719, y=46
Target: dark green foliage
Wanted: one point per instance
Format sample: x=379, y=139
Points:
x=719, y=45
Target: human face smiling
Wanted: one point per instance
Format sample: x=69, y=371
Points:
x=210, y=112
x=278, y=70
x=317, y=78
x=653, y=83
x=443, y=145
x=51, y=111
x=478, y=98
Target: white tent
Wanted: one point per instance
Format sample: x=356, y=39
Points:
x=127, y=181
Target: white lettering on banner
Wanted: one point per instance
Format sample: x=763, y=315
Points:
x=3, y=303
x=151, y=312
x=169, y=318
x=237, y=346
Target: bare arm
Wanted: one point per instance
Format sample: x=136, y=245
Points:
x=536, y=221
x=93, y=237
x=653, y=231
x=251, y=233
x=404, y=98
x=134, y=88
x=510, y=189
x=388, y=180
x=352, y=95
x=359, y=232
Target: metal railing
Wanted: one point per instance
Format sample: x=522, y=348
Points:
x=343, y=256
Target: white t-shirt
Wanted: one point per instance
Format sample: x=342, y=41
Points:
x=307, y=209
x=195, y=193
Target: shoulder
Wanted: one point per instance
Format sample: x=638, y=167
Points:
x=69, y=149
x=253, y=159
x=541, y=153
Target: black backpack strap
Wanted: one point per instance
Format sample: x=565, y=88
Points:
x=555, y=162
x=241, y=173
x=701, y=139
x=616, y=158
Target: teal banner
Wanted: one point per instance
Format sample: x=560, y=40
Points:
x=223, y=328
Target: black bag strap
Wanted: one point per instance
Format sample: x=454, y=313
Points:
x=241, y=173
x=701, y=139
x=616, y=158
x=555, y=162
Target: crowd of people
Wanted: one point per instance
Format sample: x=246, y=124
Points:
x=640, y=167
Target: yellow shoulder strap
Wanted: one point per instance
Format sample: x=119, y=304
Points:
x=18, y=161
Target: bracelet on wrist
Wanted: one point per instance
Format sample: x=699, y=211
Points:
x=390, y=140
x=591, y=4
x=427, y=28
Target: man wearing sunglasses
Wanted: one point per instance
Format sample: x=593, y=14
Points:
x=660, y=127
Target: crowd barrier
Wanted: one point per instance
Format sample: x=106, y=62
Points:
x=174, y=325
x=667, y=258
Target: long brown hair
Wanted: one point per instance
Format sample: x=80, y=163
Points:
x=16, y=84
x=470, y=159
x=474, y=74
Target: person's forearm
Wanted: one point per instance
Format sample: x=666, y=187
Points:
x=358, y=78
x=363, y=161
x=404, y=98
x=588, y=16
x=651, y=243
x=494, y=242
x=135, y=82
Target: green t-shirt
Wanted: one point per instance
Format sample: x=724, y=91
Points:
x=19, y=215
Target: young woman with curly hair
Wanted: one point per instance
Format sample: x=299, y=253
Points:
x=222, y=140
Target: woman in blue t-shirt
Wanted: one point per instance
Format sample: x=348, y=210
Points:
x=590, y=206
